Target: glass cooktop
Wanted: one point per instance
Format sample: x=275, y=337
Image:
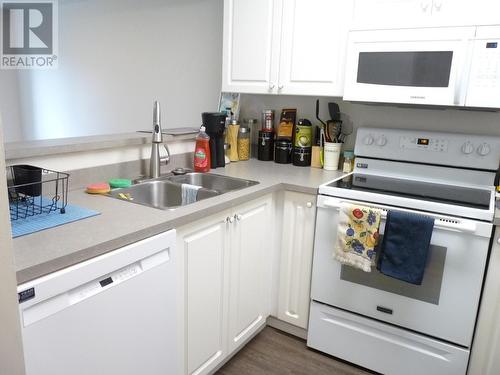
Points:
x=434, y=192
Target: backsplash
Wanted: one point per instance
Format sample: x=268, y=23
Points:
x=361, y=115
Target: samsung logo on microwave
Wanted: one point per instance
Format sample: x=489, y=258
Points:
x=417, y=97
x=362, y=165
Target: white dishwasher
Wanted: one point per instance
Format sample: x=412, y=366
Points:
x=113, y=314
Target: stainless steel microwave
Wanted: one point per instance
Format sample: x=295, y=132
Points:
x=453, y=66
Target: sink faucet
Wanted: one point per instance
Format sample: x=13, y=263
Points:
x=155, y=162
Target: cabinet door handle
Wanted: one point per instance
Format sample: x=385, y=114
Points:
x=271, y=86
x=280, y=87
x=229, y=219
x=438, y=5
x=238, y=217
x=425, y=5
x=309, y=204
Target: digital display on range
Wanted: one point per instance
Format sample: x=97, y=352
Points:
x=492, y=45
x=423, y=141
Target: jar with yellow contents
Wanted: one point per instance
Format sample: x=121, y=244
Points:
x=244, y=143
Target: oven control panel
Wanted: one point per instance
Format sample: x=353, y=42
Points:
x=426, y=144
x=450, y=149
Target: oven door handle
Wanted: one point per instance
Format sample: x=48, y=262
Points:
x=441, y=222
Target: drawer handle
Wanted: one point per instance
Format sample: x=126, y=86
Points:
x=385, y=310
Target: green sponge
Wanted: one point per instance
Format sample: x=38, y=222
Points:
x=120, y=183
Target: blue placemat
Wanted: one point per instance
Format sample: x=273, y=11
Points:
x=32, y=224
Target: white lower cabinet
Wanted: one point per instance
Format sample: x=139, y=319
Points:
x=249, y=271
x=225, y=283
x=204, y=246
x=486, y=345
x=299, y=213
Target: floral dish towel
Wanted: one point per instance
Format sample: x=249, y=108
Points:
x=357, y=236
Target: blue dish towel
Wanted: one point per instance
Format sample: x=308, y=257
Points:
x=405, y=246
x=37, y=223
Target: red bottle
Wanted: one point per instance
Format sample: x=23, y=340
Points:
x=202, y=152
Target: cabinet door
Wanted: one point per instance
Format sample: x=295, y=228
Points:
x=454, y=12
x=249, y=280
x=484, y=12
x=391, y=14
x=203, y=246
x=486, y=345
x=251, y=45
x=297, y=242
x=313, y=46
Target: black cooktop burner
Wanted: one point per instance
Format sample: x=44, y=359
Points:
x=434, y=192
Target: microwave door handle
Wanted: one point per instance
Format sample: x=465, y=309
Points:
x=445, y=223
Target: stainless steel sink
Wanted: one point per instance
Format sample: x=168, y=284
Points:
x=215, y=182
x=166, y=192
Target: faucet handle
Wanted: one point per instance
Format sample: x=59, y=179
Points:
x=166, y=158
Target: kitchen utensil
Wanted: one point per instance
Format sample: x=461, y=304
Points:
x=317, y=113
x=334, y=125
x=347, y=129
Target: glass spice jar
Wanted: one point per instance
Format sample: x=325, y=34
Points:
x=244, y=143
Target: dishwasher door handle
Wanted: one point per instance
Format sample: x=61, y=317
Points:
x=441, y=222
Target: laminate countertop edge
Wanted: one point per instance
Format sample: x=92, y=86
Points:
x=51, y=250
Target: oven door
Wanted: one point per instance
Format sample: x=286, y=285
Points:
x=413, y=66
x=444, y=306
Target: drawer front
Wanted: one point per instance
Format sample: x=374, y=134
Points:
x=381, y=347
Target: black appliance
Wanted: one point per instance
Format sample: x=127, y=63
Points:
x=215, y=124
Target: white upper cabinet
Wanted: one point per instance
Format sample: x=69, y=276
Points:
x=389, y=14
x=285, y=46
x=313, y=45
x=394, y=14
x=251, y=45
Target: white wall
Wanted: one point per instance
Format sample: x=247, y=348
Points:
x=447, y=120
x=11, y=349
x=115, y=57
x=10, y=105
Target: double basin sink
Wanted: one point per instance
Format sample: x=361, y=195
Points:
x=166, y=192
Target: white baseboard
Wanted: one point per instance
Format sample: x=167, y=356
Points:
x=287, y=327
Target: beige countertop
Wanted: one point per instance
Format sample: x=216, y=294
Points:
x=121, y=223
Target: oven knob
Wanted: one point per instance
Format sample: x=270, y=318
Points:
x=368, y=140
x=468, y=148
x=483, y=149
x=381, y=141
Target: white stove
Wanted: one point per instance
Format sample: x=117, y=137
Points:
x=362, y=317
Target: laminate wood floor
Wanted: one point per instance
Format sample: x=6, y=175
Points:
x=274, y=352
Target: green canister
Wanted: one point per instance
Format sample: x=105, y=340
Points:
x=302, y=136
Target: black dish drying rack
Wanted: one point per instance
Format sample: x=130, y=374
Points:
x=35, y=191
